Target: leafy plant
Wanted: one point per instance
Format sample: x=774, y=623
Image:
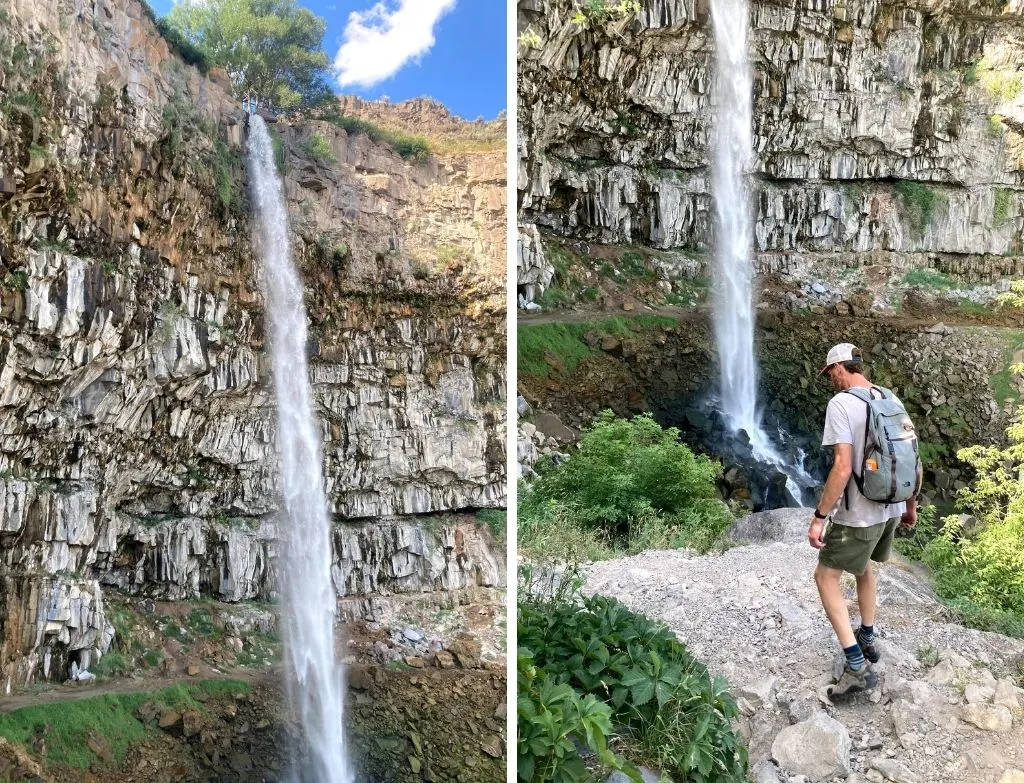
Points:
x=979, y=572
x=678, y=713
x=320, y=149
x=600, y=12
x=552, y=717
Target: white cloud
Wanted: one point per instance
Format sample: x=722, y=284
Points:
x=378, y=41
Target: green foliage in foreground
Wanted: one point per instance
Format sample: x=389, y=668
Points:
x=980, y=572
x=111, y=716
x=679, y=717
x=552, y=719
x=631, y=485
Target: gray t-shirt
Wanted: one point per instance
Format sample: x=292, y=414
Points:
x=845, y=420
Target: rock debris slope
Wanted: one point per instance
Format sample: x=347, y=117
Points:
x=948, y=706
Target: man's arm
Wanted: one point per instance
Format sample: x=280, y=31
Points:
x=835, y=485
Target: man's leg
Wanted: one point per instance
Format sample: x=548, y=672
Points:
x=832, y=599
x=867, y=596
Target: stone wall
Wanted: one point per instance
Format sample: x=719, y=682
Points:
x=891, y=129
x=137, y=425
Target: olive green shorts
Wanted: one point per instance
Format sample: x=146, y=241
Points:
x=850, y=548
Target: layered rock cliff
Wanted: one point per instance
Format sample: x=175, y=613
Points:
x=137, y=425
x=887, y=136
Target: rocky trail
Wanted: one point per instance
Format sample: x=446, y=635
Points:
x=948, y=703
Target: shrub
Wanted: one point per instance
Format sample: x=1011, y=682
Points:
x=599, y=12
x=680, y=716
x=980, y=573
x=319, y=149
x=626, y=468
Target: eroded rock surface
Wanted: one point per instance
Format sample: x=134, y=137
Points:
x=137, y=424
x=885, y=136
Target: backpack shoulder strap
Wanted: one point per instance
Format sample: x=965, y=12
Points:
x=859, y=393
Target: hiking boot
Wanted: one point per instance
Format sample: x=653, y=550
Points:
x=852, y=683
x=868, y=648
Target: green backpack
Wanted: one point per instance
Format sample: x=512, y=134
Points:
x=892, y=466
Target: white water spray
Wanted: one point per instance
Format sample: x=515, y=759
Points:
x=734, y=305
x=316, y=683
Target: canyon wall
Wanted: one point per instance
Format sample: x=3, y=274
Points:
x=137, y=425
x=886, y=135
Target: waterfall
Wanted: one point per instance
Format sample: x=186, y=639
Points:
x=308, y=602
x=734, y=303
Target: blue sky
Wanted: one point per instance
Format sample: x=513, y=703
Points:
x=451, y=50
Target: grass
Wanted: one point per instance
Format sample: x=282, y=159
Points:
x=563, y=343
x=930, y=278
x=111, y=716
x=410, y=147
x=1002, y=199
x=918, y=200
x=496, y=521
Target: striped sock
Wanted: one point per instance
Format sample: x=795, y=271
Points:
x=867, y=633
x=854, y=657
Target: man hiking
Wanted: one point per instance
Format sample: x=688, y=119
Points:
x=861, y=527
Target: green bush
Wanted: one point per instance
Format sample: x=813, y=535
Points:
x=552, y=717
x=980, y=572
x=624, y=470
x=680, y=717
x=319, y=149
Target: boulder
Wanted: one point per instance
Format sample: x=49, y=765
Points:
x=818, y=748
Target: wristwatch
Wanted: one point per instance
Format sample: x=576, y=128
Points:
x=819, y=515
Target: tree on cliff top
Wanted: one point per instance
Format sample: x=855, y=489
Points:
x=272, y=47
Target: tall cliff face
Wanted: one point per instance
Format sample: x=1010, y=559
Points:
x=137, y=427
x=887, y=135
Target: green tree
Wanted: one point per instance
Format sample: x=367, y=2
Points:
x=272, y=47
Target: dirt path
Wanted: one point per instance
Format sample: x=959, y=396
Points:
x=83, y=690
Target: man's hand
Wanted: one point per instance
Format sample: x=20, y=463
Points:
x=816, y=533
x=909, y=518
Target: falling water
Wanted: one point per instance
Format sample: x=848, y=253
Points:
x=734, y=305
x=307, y=596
